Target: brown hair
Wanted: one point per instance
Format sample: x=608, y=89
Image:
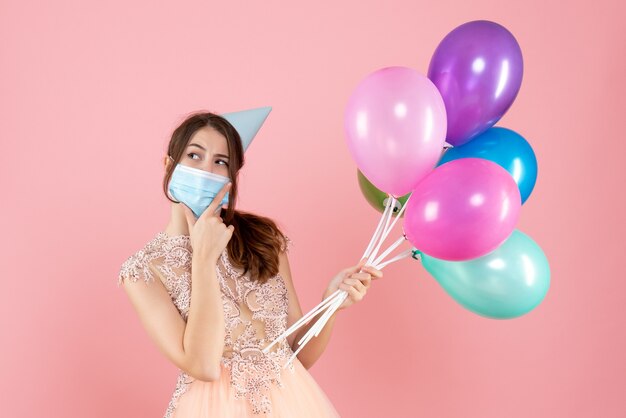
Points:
x=256, y=240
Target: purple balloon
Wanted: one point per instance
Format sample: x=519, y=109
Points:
x=462, y=210
x=478, y=70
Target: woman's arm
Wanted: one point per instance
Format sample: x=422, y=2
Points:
x=205, y=330
x=183, y=343
x=354, y=280
x=314, y=348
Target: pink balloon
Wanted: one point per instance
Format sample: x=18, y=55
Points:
x=462, y=210
x=395, y=124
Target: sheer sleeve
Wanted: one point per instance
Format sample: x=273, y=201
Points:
x=135, y=268
x=286, y=245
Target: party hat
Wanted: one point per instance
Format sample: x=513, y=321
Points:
x=247, y=122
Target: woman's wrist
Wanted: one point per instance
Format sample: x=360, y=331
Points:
x=203, y=263
x=328, y=294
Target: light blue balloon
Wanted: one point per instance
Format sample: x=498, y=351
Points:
x=506, y=148
x=506, y=283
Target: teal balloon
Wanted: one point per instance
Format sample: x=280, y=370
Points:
x=506, y=283
x=506, y=148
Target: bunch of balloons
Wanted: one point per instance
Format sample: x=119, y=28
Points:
x=462, y=211
x=427, y=145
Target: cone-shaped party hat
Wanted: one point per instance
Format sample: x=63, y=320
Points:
x=247, y=122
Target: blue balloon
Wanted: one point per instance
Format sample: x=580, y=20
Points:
x=506, y=148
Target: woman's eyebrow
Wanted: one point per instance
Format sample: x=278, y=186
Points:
x=199, y=146
x=204, y=149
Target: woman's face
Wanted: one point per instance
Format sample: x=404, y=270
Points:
x=207, y=150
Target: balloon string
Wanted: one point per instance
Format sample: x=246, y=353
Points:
x=376, y=233
x=390, y=249
x=402, y=255
x=399, y=215
x=389, y=229
x=302, y=321
x=316, y=329
x=313, y=331
x=385, y=231
x=333, y=308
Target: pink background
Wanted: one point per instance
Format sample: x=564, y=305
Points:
x=89, y=94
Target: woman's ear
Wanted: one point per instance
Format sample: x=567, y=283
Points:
x=166, y=162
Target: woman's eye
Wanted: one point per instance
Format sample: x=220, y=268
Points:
x=225, y=163
x=192, y=153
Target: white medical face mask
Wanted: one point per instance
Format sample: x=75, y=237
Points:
x=196, y=188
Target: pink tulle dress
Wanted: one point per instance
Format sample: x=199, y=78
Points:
x=252, y=384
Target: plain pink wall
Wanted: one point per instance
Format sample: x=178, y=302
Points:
x=89, y=94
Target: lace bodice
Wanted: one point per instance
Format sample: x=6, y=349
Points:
x=254, y=313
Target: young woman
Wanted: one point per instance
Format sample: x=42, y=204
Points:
x=214, y=287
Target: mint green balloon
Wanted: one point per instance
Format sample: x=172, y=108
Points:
x=506, y=283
